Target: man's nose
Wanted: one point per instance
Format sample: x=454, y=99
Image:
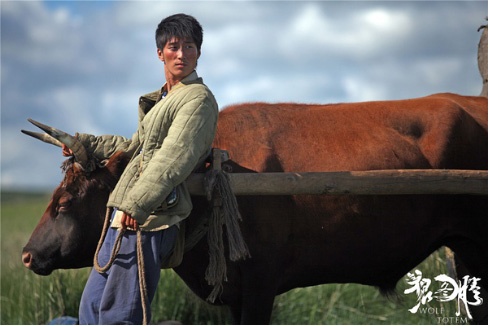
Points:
x=180, y=53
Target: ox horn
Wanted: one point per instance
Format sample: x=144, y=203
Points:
x=44, y=137
x=57, y=137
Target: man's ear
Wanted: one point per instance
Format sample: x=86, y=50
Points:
x=159, y=52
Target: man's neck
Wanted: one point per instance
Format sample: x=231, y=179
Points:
x=171, y=81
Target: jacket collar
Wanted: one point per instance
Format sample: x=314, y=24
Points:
x=147, y=101
x=190, y=79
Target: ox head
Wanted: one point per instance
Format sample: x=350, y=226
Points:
x=68, y=231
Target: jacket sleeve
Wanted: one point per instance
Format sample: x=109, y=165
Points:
x=102, y=147
x=188, y=140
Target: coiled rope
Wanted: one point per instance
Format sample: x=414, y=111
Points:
x=115, y=250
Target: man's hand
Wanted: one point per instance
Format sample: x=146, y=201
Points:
x=128, y=222
x=66, y=150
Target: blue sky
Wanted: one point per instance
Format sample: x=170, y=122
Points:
x=81, y=66
x=78, y=6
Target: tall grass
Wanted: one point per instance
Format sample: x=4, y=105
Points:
x=27, y=298
x=359, y=304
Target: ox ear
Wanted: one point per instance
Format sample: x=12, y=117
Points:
x=117, y=163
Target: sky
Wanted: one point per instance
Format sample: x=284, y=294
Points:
x=81, y=66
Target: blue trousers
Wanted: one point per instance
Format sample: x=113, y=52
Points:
x=113, y=297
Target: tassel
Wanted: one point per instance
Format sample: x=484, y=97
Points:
x=224, y=213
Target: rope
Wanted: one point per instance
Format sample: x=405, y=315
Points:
x=142, y=279
x=224, y=213
x=115, y=250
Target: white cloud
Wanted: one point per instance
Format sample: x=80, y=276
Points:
x=362, y=33
x=359, y=89
x=435, y=72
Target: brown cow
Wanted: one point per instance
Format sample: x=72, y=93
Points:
x=298, y=241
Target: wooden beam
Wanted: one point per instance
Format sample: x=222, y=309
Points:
x=377, y=182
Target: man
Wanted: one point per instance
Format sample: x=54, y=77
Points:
x=176, y=128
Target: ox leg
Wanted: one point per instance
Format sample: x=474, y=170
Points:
x=257, y=297
x=256, y=308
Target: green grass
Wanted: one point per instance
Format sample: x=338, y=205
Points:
x=358, y=304
x=27, y=298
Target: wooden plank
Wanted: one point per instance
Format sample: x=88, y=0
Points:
x=377, y=182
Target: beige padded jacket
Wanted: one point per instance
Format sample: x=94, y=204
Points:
x=174, y=134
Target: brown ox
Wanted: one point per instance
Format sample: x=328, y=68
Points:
x=298, y=241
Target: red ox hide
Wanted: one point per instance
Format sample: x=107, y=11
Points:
x=298, y=241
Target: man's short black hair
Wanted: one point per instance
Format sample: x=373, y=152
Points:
x=180, y=26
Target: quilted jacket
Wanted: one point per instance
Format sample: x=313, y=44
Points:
x=174, y=134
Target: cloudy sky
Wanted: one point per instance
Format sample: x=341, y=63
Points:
x=81, y=66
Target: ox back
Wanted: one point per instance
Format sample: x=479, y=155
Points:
x=298, y=241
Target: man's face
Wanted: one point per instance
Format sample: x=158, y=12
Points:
x=180, y=58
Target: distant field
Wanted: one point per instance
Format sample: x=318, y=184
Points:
x=27, y=298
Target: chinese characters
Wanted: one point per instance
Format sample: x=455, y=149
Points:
x=448, y=290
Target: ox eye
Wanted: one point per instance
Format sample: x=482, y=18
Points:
x=63, y=205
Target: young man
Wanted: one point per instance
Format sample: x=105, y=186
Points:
x=176, y=128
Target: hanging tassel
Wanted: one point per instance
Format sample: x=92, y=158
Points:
x=224, y=213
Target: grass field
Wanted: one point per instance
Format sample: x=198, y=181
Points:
x=27, y=298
